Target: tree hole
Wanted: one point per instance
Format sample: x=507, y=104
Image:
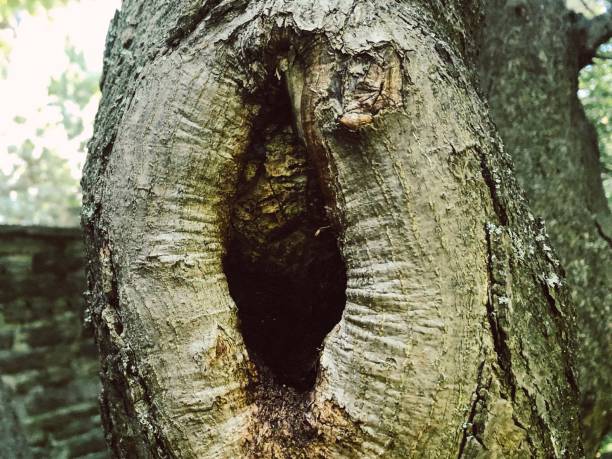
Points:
x=283, y=264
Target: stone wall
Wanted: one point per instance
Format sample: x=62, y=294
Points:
x=47, y=357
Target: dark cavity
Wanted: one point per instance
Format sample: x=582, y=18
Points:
x=283, y=264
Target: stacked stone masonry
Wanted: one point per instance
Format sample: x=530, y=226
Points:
x=48, y=358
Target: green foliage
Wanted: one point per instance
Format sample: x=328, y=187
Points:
x=588, y=7
x=76, y=85
x=40, y=187
x=606, y=447
x=596, y=95
x=8, y=8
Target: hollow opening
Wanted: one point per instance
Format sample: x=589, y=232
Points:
x=283, y=264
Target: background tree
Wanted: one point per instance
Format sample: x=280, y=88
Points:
x=42, y=135
x=8, y=10
x=228, y=132
x=532, y=54
x=595, y=93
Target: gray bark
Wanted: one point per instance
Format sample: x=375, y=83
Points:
x=532, y=53
x=453, y=294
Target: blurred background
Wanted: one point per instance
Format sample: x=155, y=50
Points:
x=50, y=63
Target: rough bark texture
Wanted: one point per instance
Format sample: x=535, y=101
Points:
x=452, y=292
x=532, y=53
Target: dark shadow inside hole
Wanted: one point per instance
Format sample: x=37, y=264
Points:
x=283, y=265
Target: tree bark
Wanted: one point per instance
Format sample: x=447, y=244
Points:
x=532, y=53
x=452, y=294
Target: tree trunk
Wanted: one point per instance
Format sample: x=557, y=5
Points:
x=532, y=53
x=306, y=241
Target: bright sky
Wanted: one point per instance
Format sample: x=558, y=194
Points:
x=37, y=55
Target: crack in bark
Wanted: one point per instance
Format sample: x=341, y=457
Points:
x=489, y=179
x=552, y=303
x=468, y=425
x=499, y=334
x=160, y=445
x=187, y=24
x=602, y=233
x=546, y=433
x=521, y=426
x=498, y=254
x=500, y=338
x=349, y=15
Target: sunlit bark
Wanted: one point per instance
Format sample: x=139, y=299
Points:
x=531, y=54
x=453, y=296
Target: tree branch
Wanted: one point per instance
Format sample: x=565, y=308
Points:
x=593, y=33
x=600, y=30
x=587, y=7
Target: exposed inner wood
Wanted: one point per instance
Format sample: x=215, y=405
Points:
x=283, y=265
